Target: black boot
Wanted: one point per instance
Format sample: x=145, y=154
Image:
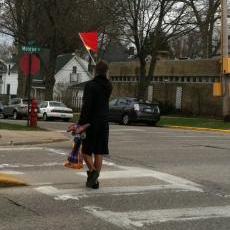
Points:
x=92, y=181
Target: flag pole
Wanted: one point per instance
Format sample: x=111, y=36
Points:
x=88, y=50
x=91, y=57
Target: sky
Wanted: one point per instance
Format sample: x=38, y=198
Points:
x=5, y=39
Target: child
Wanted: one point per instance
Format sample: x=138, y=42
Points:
x=75, y=159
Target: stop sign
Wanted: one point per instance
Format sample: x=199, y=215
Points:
x=25, y=62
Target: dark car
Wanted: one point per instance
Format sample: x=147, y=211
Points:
x=1, y=110
x=126, y=110
x=17, y=108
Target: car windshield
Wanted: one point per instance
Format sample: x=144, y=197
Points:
x=25, y=101
x=57, y=104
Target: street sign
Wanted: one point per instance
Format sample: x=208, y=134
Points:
x=25, y=64
x=31, y=49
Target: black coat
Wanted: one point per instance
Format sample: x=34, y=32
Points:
x=95, y=111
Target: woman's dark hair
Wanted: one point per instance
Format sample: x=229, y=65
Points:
x=101, y=68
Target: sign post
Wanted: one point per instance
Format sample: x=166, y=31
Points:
x=30, y=65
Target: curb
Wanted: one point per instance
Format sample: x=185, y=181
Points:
x=197, y=129
x=33, y=142
x=10, y=181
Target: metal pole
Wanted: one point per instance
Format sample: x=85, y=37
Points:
x=29, y=89
x=224, y=52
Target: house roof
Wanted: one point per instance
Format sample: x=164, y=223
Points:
x=62, y=60
x=80, y=85
x=115, y=52
x=14, y=68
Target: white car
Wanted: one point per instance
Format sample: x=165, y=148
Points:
x=54, y=109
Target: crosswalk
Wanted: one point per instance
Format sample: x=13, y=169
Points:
x=121, y=183
x=133, y=219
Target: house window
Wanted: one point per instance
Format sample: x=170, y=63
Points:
x=8, y=89
x=9, y=69
x=74, y=70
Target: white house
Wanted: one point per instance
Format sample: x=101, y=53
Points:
x=70, y=69
x=8, y=78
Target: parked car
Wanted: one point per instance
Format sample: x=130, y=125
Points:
x=1, y=110
x=126, y=110
x=17, y=108
x=54, y=109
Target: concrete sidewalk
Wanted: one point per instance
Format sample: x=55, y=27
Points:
x=13, y=137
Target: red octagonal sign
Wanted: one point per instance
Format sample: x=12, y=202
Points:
x=35, y=64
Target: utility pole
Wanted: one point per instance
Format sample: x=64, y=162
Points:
x=224, y=53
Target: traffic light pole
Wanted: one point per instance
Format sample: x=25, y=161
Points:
x=224, y=53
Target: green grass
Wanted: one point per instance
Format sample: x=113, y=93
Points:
x=75, y=117
x=194, y=122
x=18, y=127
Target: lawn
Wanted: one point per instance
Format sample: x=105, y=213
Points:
x=194, y=122
x=17, y=127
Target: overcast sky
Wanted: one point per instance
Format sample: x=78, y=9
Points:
x=5, y=39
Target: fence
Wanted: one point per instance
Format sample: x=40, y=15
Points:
x=76, y=103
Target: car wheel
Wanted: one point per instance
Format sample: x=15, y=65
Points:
x=45, y=118
x=66, y=119
x=152, y=123
x=15, y=115
x=125, y=119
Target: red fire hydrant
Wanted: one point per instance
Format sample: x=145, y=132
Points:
x=34, y=114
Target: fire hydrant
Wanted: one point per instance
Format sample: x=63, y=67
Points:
x=34, y=113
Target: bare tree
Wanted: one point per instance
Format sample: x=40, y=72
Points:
x=16, y=17
x=204, y=16
x=52, y=24
x=149, y=25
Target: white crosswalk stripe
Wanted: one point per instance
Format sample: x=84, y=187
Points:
x=170, y=183
x=137, y=219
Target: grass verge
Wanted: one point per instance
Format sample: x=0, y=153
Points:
x=194, y=122
x=18, y=127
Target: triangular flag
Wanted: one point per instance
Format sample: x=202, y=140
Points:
x=90, y=40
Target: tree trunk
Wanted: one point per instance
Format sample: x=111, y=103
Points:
x=142, y=78
x=50, y=75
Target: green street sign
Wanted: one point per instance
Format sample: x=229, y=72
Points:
x=31, y=49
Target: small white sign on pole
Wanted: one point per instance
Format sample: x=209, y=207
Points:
x=178, y=97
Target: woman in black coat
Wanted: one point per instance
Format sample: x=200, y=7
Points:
x=95, y=111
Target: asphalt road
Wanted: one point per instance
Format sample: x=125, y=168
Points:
x=155, y=178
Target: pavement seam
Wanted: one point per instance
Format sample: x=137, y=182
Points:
x=33, y=142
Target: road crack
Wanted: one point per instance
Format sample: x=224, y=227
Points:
x=22, y=206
